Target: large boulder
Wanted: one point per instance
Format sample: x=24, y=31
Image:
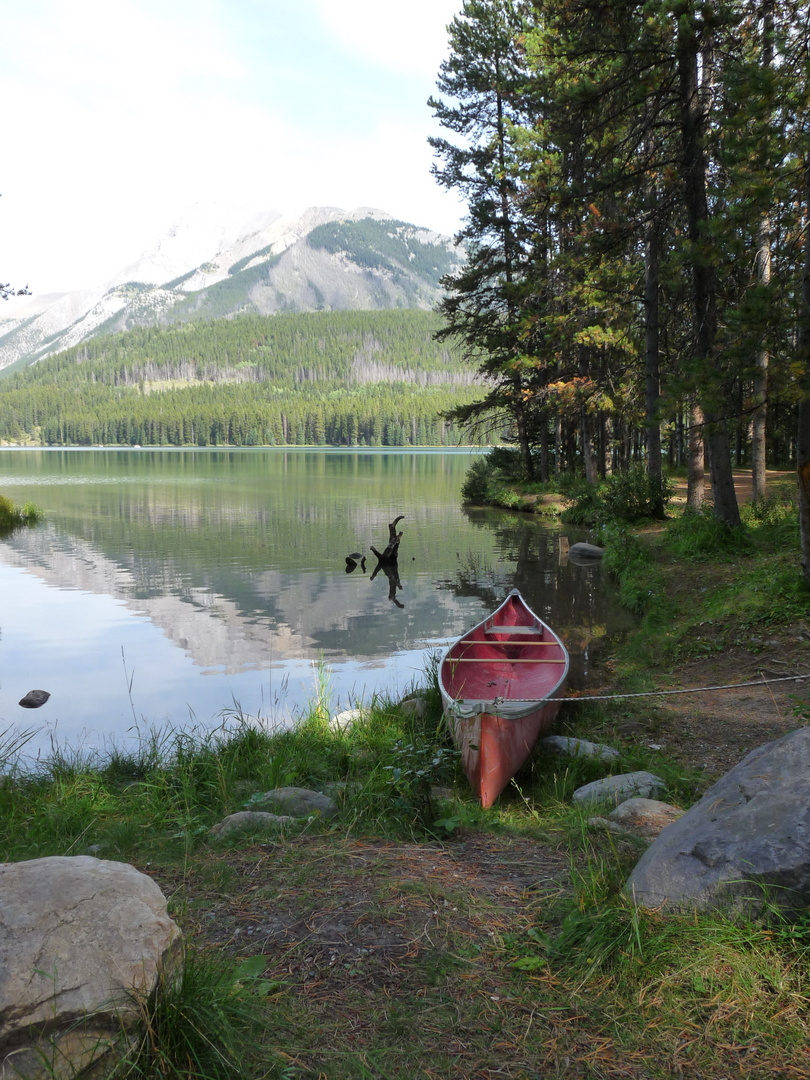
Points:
x=585, y=552
x=77, y=937
x=745, y=844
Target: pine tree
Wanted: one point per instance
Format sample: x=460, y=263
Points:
x=484, y=80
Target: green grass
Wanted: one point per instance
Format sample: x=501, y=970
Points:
x=202, y=1021
x=14, y=517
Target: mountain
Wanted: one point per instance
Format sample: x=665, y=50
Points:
x=322, y=260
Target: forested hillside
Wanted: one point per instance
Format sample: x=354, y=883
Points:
x=374, y=378
x=321, y=260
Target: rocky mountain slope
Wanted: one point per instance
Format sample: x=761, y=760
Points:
x=324, y=259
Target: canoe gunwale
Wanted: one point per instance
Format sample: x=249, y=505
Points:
x=504, y=708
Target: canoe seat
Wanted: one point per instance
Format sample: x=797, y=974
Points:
x=512, y=629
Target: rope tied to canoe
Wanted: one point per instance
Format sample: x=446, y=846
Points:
x=661, y=693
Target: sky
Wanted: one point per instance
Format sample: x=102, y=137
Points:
x=121, y=115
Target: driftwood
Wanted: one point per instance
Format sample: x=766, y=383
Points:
x=389, y=556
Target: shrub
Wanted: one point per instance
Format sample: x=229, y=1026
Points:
x=777, y=507
x=478, y=482
x=631, y=562
x=699, y=534
x=632, y=495
x=506, y=460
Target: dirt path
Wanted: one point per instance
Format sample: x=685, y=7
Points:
x=742, y=484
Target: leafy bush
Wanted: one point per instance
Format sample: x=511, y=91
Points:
x=587, y=506
x=700, y=534
x=632, y=495
x=631, y=561
x=508, y=463
x=478, y=482
x=777, y=507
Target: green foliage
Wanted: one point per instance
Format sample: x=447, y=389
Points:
x=203, y=1021
x=778, y=507
x=632, y=561
x=587, y=506
x=628, y=496
x=489, y=480
x=418, y=766
x=479, y=481
x=14, y=517
x=701, y=535
x=508, y=463
x=634, y=495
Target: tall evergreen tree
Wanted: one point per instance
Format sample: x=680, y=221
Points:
x=485, y=96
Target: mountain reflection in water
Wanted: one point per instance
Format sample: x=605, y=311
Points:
x=211, y=576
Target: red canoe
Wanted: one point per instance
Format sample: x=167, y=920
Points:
x=495, y=682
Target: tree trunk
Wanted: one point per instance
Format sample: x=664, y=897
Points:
x=651, y=353
x=758, y=420
x=803, y=429
x=544, y=472
x=703, y=283
x=389, y=556
x=696, y=482
x=588, y=424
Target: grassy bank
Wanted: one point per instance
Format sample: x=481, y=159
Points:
x=417, y=935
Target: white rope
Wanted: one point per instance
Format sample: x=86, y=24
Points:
x=664, y=693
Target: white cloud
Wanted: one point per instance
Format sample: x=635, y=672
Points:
x=120, y=113
x=405, y=38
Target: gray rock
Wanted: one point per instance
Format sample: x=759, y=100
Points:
x=563, y=745
x=34, y=699
x=249, y=821
x=77, y=937
x=616, y=789
x=585, y=551
x=416, y=705
x=297, y=802
x=644, y=818
x=345, y=721
x=748, y=835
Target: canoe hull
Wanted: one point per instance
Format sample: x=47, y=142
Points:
x=495, y=680
x=493, y=749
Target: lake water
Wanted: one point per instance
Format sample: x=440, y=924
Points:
x=174, y=586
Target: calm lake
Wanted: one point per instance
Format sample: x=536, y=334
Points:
x=177, y=586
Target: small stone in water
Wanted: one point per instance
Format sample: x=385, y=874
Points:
x=34, y=699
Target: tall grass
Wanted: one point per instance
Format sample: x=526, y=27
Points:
x=202, y=1021
x=14, y=517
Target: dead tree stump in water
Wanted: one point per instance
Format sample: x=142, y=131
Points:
x=389, y=556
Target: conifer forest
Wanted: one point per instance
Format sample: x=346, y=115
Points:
x=637, y=176
x=369, y=378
